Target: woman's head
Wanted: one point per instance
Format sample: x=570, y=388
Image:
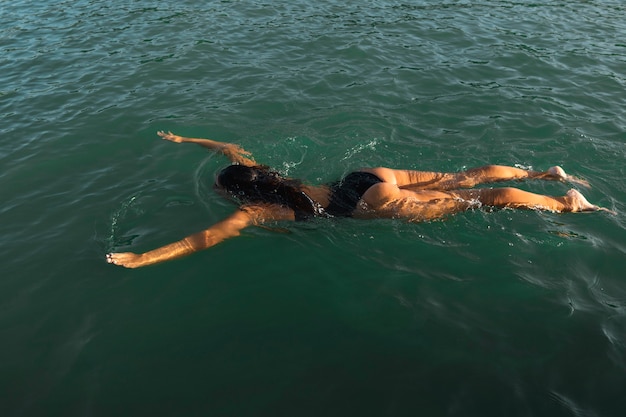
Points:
x=248, y=183
x=258, y=184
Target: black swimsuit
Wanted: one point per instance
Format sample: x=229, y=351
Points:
x=345, y=194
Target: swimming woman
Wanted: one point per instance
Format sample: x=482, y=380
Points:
x=266, y=196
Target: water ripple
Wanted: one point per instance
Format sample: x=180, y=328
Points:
x=528, y=304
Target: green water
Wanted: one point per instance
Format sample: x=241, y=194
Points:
x=489, y=313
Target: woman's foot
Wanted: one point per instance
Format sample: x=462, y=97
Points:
x=557, y=173
x=577, y=202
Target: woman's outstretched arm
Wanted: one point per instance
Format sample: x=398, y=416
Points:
x=227, y=228
x=235, y=153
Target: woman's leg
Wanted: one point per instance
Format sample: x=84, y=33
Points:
x=573, y=201
x=426, y=180
x=498, y=173
x=387, y=200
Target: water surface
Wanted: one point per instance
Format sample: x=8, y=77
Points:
x=515, y=313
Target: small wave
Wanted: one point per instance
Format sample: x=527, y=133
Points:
x=572, y=406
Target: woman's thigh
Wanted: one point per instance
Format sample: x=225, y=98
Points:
x=386, y=200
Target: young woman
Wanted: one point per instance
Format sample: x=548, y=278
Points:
x=265, y=196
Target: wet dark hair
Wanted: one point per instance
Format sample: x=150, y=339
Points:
x=259, y=184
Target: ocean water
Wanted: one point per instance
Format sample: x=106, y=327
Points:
x=487, y=313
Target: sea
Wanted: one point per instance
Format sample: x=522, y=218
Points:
x=489, y=312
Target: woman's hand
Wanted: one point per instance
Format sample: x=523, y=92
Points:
x=170, y=136
x=125, y=259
